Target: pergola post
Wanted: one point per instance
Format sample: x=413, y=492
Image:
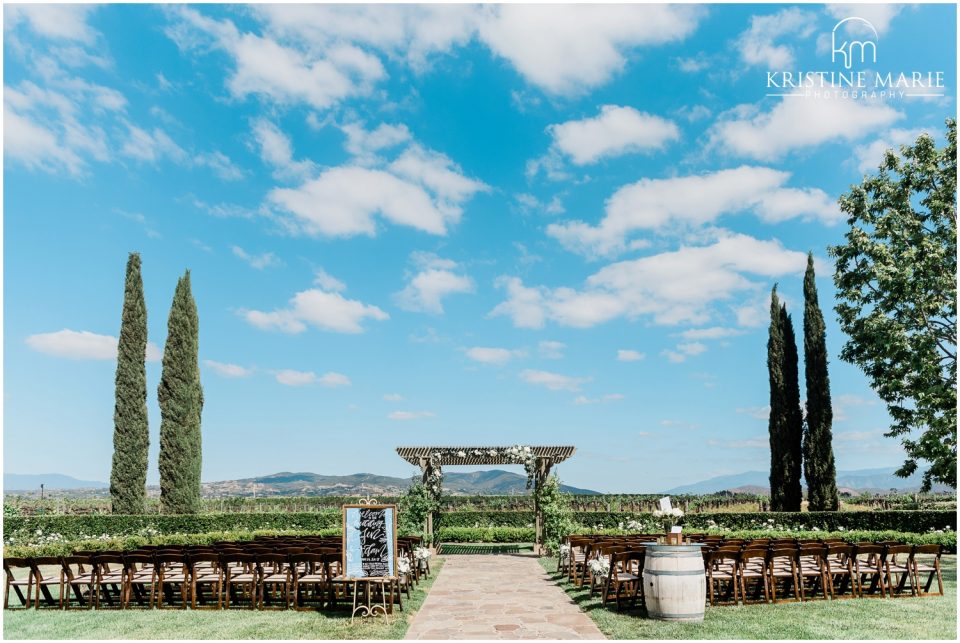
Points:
x=425, y=475
x=543, y=472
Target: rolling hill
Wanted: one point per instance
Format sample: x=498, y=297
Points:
x=869, y=480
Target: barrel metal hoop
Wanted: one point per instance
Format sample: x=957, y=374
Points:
x=669, y=615
x=679, y=572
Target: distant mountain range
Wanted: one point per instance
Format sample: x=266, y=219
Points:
x=32, y=481
x=492, y=483
x=869, y=480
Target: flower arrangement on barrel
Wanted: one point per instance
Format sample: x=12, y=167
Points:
x=669, y=517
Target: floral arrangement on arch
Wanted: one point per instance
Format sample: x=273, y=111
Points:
x=516, y=454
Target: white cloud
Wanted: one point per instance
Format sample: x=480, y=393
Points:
x=412, y=33
x=757, y=44
x=151, y=147
x=694, y=200
x=392, y=397
x=797, y=123
x=328, y=282
x=694, y=64
x=614, y=132
x=756, y=412
x=672, y=287
x=324, y=310
x=295, y=378
x=342, y=201
x=54, y=21
x=276, y=150
x=627, y=355
x=265, y=260
x=402, y=416
x=571, y=48
x=492, y=355
x=227, y=370
x=611, y=397
x=683, y=351
x=435, y=280
x=364, y=144
x=334, y=380
x=679, y=424
x=870, y=156
x=220, y=164
x=551, y=349
x=714, y=332
x=552, y=381
x=73, y=344
x=284, y=73
x=879, y=15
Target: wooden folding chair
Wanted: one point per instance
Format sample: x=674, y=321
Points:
x=110, y=579
x=782, y=566
x=868, y=565
x=204, y=570
x=811, y=564
x=47, y=572
x=723, y=566
x=310, y=579
x=932, y=568
x=241, y=577
x=26, y=579
x=171, y=571
x=626, y=570
x=141, y=579
x=753, y=565
x=274, y=572
x=840, y=575
x=898, y=561
x=79, y=572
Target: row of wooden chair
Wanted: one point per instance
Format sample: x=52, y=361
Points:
x=804, y=568
x=277, y=573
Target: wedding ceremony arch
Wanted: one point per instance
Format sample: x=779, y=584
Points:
x=536, y=460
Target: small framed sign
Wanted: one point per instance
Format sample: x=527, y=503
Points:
x=665, y=504
x=369, y=541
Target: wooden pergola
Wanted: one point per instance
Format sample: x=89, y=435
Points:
x=428, y=457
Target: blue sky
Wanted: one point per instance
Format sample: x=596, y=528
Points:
x=441, y=225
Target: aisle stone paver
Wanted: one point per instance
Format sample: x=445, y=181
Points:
x=498, y=597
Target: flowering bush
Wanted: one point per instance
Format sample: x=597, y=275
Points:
x=599, y=567
x=421, y=553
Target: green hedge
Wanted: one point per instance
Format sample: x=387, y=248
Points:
x=76, y=527
x=522, y=519
x=905, y=521
x=126, y=543
x=485, y=535
x=946, y=538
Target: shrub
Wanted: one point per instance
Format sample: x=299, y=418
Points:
x=485, y=535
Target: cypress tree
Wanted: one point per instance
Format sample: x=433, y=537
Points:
x=777, y=405
x=180, y=400
x=792, y=449
x=818, y=464
x=131, y=433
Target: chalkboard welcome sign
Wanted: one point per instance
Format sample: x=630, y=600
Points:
x=369, y=541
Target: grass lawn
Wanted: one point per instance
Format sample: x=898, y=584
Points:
x=901, y=618
x=187, y=624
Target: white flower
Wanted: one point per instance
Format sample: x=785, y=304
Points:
x=564, y=552
x=461, y=454
x=403, y=565
x=421, y=553
x=599, y=567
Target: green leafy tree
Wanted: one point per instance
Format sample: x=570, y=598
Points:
x=819, y=467
x=792, y=450
x=131, y=432
x=896, y=278
x=777, y=421
x=181, y=402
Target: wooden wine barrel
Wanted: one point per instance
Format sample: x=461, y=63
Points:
x=674, y=583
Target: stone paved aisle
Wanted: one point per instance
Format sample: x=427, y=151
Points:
x=498, y=597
